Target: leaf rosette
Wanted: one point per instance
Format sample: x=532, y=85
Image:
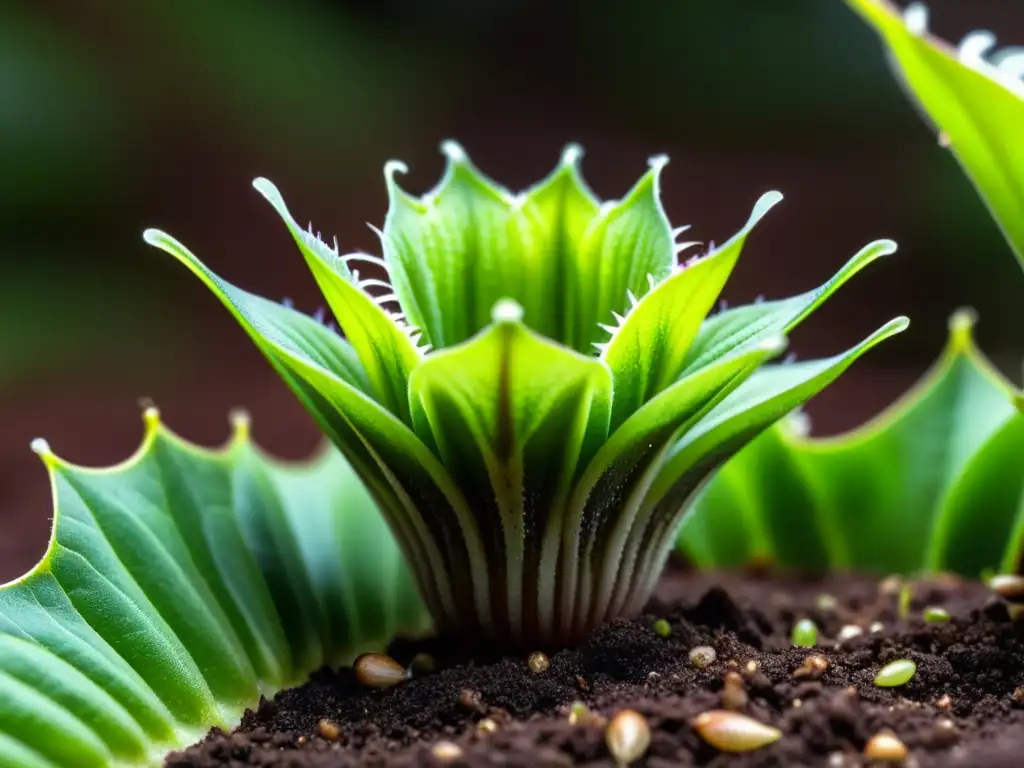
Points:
x=532, y=390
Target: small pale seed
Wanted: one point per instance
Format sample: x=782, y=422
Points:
x=826, y=603
x=487, y=725
x=628, y=736
x=328, y=729
x=813, y=667
x=470, y=699
x=847, y=632
x=1018, y=693
x=750, y=669
x=945, y=702
x=538, y=663
x=885, y=747
x=662, y=628
x=702, y=656
x=582, y=683
x=896, y=673
x=805, y=633
x=375, y=670
x=301, y=740
x=935, y=614
x=734, y=693
x=890, y=585
x=732, y=732
x=1008, y=587
x=446, y=751
x=876, y=627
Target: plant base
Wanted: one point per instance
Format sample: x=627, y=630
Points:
x=977, y=659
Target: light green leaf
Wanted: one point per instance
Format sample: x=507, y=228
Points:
x=512, y=415
x=605, y=505
x=385, y=349
x=647, y=350
x=468, y=243
x=749, y=324
x=976, y=106
x=180, y=586
x=900, y=494
x=415, y=493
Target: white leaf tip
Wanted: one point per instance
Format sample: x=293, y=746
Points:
x=453, y=151
x=657, y=162
x=915, y=17
x=393, y=167
x=507, y=311
x=41, y=447
x=240, y=422
x=571, y=155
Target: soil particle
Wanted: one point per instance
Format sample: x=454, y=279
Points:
x=959, y=708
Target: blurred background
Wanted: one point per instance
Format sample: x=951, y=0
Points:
x=117, y=116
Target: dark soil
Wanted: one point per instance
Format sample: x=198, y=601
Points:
x=976, y=660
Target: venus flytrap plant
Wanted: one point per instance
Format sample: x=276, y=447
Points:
x=538, y=393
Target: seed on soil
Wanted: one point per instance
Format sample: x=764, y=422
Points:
x=662, y=628
x=734, y=693
x=876, y=627
x=375, y=670
x=446, y=751
x=487, y=725
x=328, y=729
x=890, y=585
x=934, y=614
x=1008, y=587
x=805, y=634
x=1018, y=693
x=732, y=732
x=813, y=667
x=848, y=632
x=945, y=702
x=945, y=733
x=751, y=669
x=826, y=603
x=885, y=747
x=538, y=663
x=702, y=656
x=896, y=673
x=628, y=736
x=582, y=683
x=470, y=699
x=580, y=714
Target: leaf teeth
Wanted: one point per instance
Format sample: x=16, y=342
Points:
x=618, y=318
x=650, y=280
x=608, y=328
x=679, y=230
x=571, y=155
x=680, y=247
x=288, y=303
x=633, y=300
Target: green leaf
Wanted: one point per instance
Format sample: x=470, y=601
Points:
x=647, y=350
x=385, y=350
x=901, y=494
x=468, y=243
x=428, y=513
x=750, y=324
x=512, y=415
x=605, y=508
x=179, y=587
x=976, y=106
